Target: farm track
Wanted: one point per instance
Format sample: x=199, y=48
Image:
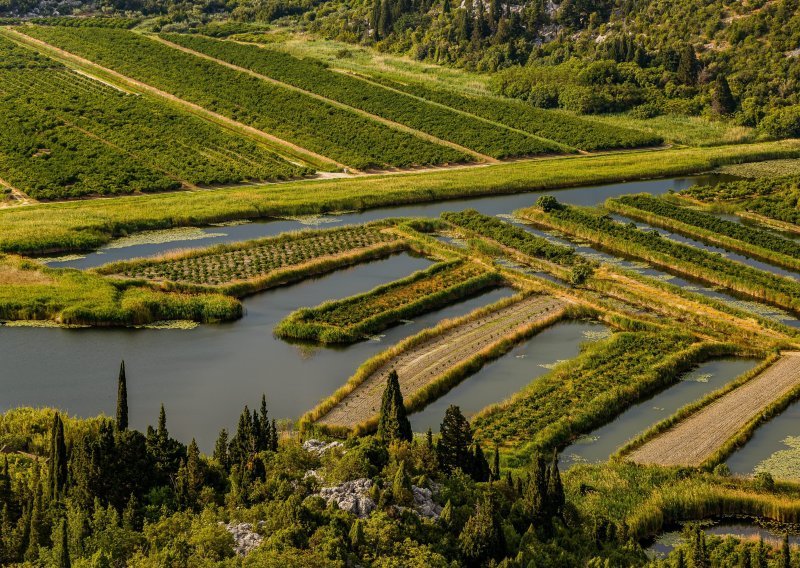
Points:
x=288, y=150
x=693, y=440
x=374, y=117
x=423, y=364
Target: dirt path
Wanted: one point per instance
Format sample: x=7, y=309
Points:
x=696, y=438
x=288, y=150
x=19, y=198
x=385, y=121
x=423, y=364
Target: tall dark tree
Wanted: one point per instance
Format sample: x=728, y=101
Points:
x=452, y=449
x=482, y=538
x=63, y=548
x=6, y=498
x=534, y=498
x=785, y=559
x=122, y=399
x=722, y=101
x=57, y=461
x=555, y=490
x=688, y=66
x=699, y=551
x=393, y=422
x=221, y=449
x=480, y=467
x=496, y=463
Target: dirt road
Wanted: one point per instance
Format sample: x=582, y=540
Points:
x=695, y=439
x=423, y=364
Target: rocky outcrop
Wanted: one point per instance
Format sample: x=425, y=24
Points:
x=245, y=538
x=319, y=447
x=351, y=496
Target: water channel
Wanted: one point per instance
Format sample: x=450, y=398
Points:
x=205, y=375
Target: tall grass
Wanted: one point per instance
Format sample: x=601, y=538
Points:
x=72, y=226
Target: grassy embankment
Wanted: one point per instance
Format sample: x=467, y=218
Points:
x=646, y=500
x=451, y=377
x=243, y=268
x=584, y=393
x=88, y=224
x=29, y=291
x=670, y=255
x=354, y=318
x=708, y=228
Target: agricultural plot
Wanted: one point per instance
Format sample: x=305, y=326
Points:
x=255, y=265
x=66, y=112
x=709, y=228
x=429, y=363
x=511, y=236
x=310, y=75
x=697, y=438
x=354, y=318
x=584, y=393
x=563, y=128
x=341, y=135
x=777, y=199
x=671, y=255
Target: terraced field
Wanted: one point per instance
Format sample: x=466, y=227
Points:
x=263, y=262
x=421, y=365
x=693, y=440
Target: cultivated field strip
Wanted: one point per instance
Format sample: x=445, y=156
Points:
x=489, y=140
x=693, y=440
x=421, y=365
x=321, y=128
x=253, y=260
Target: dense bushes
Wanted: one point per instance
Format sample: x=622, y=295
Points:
x=317, y=126
x=352, y=319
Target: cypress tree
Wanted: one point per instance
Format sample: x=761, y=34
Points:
x=221, y=449
x=162, y=432
x=761, y=554
x=5, y=484
x=680, y=560
x=722, y=101
x=555, y=490
x=273, y=444
x=785, y=560
x=393, y=423
x=429, y=439
x=265, y=429
x=482, y=538
x=699, y=552
x=57, y=462
x=402, y=493
x=122, y=399
x=688, y=67
x=745, y=559
x=480, y=467
x=496, y=468
x=357, y=536
x=534, y=498
x=452, y=450
x=63, y=551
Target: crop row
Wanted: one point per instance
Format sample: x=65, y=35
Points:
x=671, y=255
x=226, y=264
x=338, y=134
x=511, y=236
x=352, y=319
x=563, y=128
x=74, y=136
x=48, y=159
x=184, y=146
x=585, y=393
x=774, y=198
x=447, y=124
x=707, y=227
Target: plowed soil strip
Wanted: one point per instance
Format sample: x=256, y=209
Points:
x=695, y=439
x=423, y=364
